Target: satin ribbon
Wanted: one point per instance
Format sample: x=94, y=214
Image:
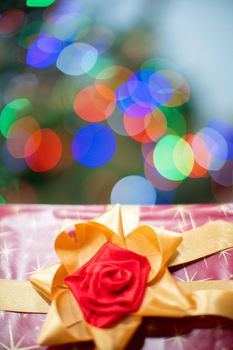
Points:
x=163, y=296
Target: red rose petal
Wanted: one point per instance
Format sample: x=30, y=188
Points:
x=110, y=285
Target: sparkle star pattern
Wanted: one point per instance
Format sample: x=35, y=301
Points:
x=38, y=266
x=178, y=340
x=206, y=262
x=224, y=254
x=181, y=212
x=192, y=277
x=187, y=278
x=16, y=346
x=224, y=208
x=6, y=251
x=27, y=234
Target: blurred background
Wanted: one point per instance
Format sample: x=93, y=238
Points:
x=126, y=101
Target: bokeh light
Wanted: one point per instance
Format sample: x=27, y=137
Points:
x=14, y=110
x=173, y=158
x=39, y=3
x=181, y=93
x=134, y=97
x=113, y=76
x=147, y=150
x=148, y=89
x=19, y=134
x=216, y=146
x=158, y=181
x=67, y=26
x=226, y=131
x=146, y=129
x=62, y=8
x=200, y=152
x=94, y=145
x=2, y=199
x=66, y=21
x=135, y=128
x=156, y=124
x=11, y=21
x=94, y=103
x=43, y=150
x=176, y=123
x=133, y=190
x=77, y=59
x=224, y=176
x=160, y=88
x=43, y=52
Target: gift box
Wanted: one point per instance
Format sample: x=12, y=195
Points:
x=27, y=235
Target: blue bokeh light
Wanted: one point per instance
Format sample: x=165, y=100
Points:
x=44, y=51
x=143, y=92
x=226, y=131
x=94, y=145
x=133, y=190
x=77, y=59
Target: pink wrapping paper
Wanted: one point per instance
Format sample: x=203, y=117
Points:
x=27, y=233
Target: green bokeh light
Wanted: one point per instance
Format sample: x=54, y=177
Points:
x=183, y=157
x=2, y=199
x=173, y=158
x=176, y=123
x=39, y=3
x=14, y=110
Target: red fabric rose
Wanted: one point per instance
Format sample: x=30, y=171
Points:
x=110, y=285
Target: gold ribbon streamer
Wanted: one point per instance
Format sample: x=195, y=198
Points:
x=216, y=302
x=210, y=297
x=19, y=296
x=193, y=286
x=28, y=300
x=203, y=241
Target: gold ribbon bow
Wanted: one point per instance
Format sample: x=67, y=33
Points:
x=163, y=295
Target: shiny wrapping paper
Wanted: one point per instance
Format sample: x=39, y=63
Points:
x=27, y=236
